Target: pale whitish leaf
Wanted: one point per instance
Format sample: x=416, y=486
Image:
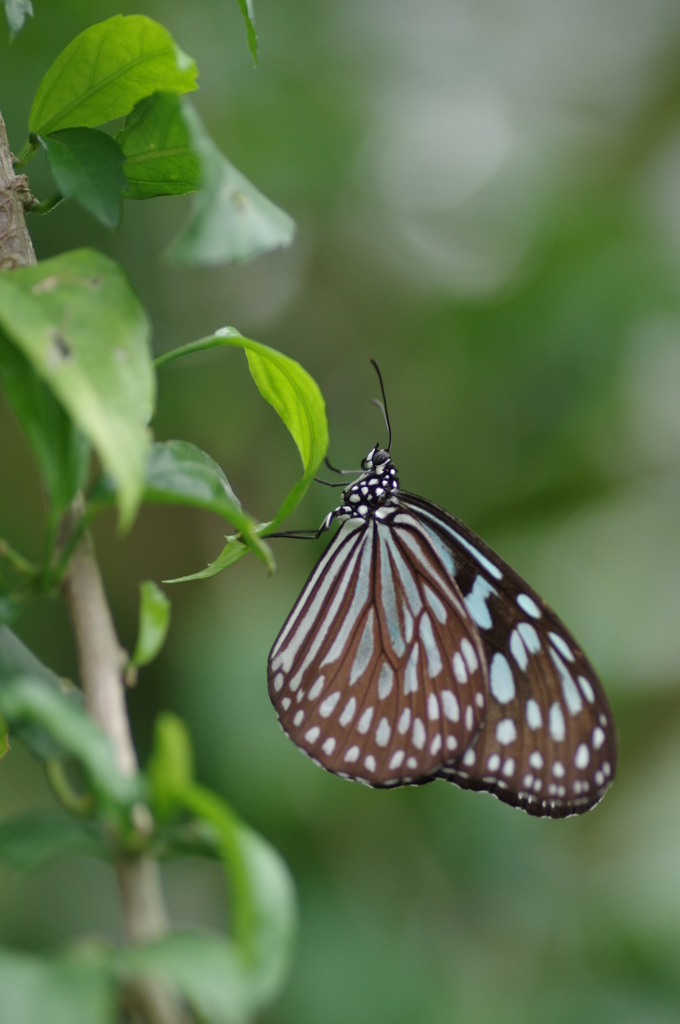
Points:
x=81, y=326
x=16, y=12
x=154, y=622
x=87, y=166
x=28, y=701
x=105, y=70
x=70, y=989
x=230, y=219
x=42, y=836
x=156, y=145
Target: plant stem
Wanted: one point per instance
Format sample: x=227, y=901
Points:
x=100, y=656
x=16, y=248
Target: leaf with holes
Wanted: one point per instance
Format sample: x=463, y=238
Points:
x=231, y=220
x=157, y=148
x=154, y=622
x=105, y=70
x=87, y=166
x=82, y=328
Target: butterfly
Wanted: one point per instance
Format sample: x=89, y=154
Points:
x=414, y=653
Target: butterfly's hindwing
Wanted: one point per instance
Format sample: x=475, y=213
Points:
x=379, y=673
x=548, y=743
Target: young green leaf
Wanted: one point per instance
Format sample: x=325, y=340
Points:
x=34, y=839
x=105, y=70
x=230, y=220
x=28, y=701
x=154, y=622
x=16, y=12
x=82, y=328
x=248, y=13
x=55, y=990
x=292, y=392
x=60, y=450
x=87, y=165
x=237, y=977
x=17, y=660
x=179, y=473
x=159, y=156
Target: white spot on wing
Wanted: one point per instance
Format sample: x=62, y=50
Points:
x=328, y=746
x=586, y=689
x=572, y=697
x=436, y=745
x=370, y=763
x=530, y=637
x=364, y=650
x=411, y=673
x=316, y=689
x=459, y=668
x=352, y=754
x=536, y=760
x=436, y=606
x=327, y=706
x=434, y=661
x=493, y=763
x=397, y=759
x=598, y=737
x=528, y=605
x=364, y=723
x=404, y=721
x=533, y=714
x=383, y=733
x=432, y=707
x=470, y=655
x=561, y=645
x=450, y=705
x=348, y=713
x=312, y=734
x=518, y=650
x=556, y=724
x=476, y=602
x=501, y=679
x=506, y=731
x=581, y=757
x=418, y=735
x=385, y=680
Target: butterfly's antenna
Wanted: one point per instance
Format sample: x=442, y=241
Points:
x=382, y=405
x=344, y=472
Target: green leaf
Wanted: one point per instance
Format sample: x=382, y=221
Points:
x=230, y=219
x=82, y=328
x=225, y=981
x=17, y=660
x=179, y=473
x=105, y=70
x=156, y=145
x=37, y=838
x=26, y=700
x=87, y=166
x=16, y=12
x=154, y=622
x=231, y=553
x=292, y=392
x=248, y=13
x=73, y=989
x=60, y=450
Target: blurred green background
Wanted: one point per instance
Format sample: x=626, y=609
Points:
x=488, y=200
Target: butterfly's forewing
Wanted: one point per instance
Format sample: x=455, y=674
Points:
x=548, y=744
x=378, y=672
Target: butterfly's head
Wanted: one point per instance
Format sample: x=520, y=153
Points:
x=377, y=460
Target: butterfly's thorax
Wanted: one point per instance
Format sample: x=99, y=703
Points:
x=372, y=490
